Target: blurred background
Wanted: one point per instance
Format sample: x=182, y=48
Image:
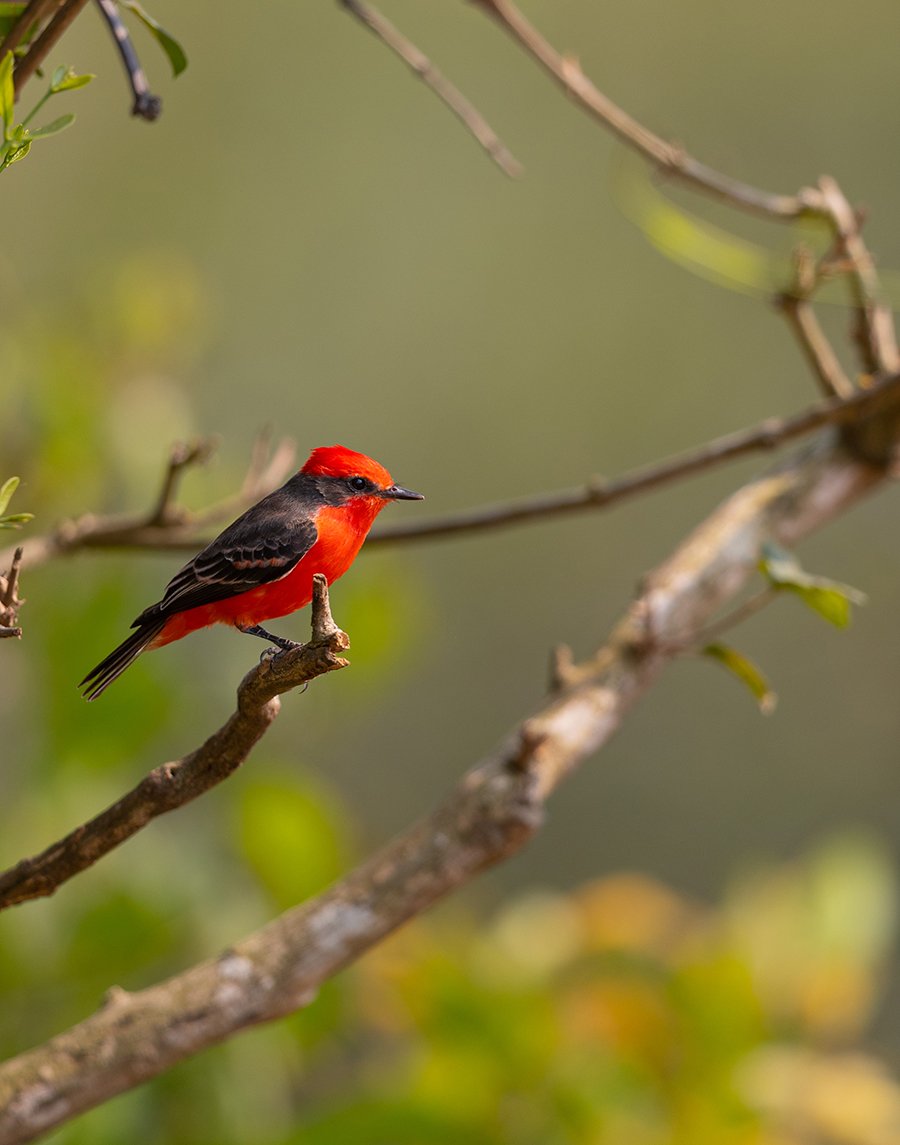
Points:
x=307, y=240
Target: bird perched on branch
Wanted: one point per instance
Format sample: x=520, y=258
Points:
x=262, y=565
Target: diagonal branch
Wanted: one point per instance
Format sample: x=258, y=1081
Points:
x=145, y=105
x=465, y=111
x=66, y=11
x=171, y=785
x=671, y=160
x=492, y=813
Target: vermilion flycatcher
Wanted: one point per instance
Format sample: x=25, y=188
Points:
x=262, y=565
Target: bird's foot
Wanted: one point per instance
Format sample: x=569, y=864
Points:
x=282, y=644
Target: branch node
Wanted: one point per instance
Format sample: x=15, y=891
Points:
x=562, y=664
x=530, y=737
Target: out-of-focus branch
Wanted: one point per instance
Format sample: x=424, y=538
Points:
x=493, y=812
x=145, y=105
x=43, y=45
x=36, y=11
x=173, y=784
x=465, y=111
x=672, y=160
x=10, y=600
x=167, y=525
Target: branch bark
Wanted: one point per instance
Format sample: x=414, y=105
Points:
x=173, y=784
x=493, y=812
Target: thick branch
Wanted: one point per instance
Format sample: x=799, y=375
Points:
x=173, y=784
x=492, y=813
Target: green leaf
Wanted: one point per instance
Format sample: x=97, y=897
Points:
x=6, y=491
x=65, y=79
x=829, y=598
x=172, y=48
x=7, y=94
x=17, y=154
x=53, y=128
x=747, y=672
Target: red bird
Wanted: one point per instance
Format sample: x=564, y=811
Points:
x=262, y=565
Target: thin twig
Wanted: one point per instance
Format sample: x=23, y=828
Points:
x=468, y=115
x=600, y=494
x=145, y=531
x=8, y=599
x=145, y=104
x=183, y=456
x=876, y=337
x=672, y=160
x=173, y=784
x=45, y=42
x=795, y=304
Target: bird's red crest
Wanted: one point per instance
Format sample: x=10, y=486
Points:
x=338, y=461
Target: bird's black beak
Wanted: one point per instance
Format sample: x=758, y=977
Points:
x=398, y=493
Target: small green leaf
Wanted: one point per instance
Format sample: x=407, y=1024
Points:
x=16, y=521
x=6, y=491
x=172, y=48
x=17, y=154
x=53, y=128
x=7, y=94
x=65, y=79
x=747, y=672
x=829, y=598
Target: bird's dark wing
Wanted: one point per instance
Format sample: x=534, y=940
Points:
x=261, y=546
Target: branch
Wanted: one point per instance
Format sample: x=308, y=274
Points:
x=876, y=336
x=468, y=115
x=145, y=105
x=858, y=408
x=173, y=784
x=10, y=601
x=495, y=809
x=34, y=14
x=43, y=45
x=166, y=525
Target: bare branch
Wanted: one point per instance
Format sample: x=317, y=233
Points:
x=43, y=45
x=492, y=813
x=672, y=160
x=468, y=115
x=10, y=601
x=600, y=494
x=145, y=104
x=35, y=13
x=165, y=527
x=795, y=304
x=173, y=784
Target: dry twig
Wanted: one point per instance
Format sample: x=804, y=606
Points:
x=166, y=525
x=465, y=111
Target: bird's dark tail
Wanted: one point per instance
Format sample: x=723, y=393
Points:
x=99, y=679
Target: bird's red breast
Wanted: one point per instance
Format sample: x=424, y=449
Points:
x=341, y=530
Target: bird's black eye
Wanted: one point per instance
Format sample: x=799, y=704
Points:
x=359, y=484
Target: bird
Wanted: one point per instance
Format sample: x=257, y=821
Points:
x=262, y=565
